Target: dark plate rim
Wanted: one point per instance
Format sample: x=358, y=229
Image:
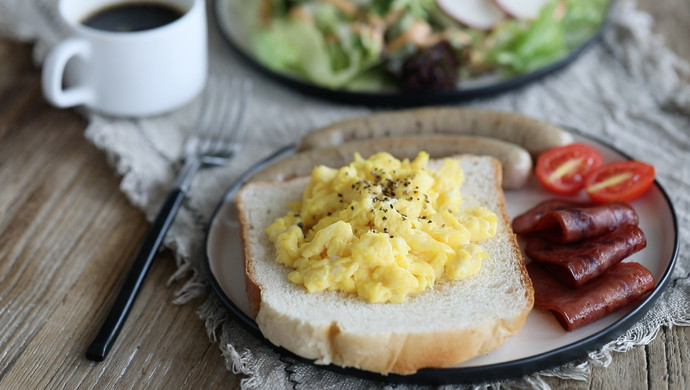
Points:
x=437, y=376
x=402, y=99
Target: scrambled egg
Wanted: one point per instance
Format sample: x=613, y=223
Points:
x=382, y=229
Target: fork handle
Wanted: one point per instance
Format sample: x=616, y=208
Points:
x=110, y=329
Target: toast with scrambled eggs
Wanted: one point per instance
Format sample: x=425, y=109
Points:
x=447, y=322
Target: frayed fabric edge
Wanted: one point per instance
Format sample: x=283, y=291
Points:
x=579, y=371
x=216, y=321
x=194, y=286
x=639, y=335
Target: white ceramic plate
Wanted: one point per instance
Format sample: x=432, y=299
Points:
x=542, y=342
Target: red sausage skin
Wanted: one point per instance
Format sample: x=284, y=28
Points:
x=563, y=222
x=621, y=285
x=579, y=262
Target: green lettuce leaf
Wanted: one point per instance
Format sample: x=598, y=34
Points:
x=299, y=48
x=522, y=47
x=583, y=19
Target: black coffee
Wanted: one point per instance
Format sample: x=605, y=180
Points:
x=129, y=17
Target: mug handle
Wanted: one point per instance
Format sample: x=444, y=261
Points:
x=54, y=69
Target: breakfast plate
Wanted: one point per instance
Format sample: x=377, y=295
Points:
x=540, y=344
x=233, y=24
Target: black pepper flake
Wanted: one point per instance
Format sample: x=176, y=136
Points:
x=429, y=221
x=352, y=207
x=329, y=213
x=300, y=225
x=384, y=218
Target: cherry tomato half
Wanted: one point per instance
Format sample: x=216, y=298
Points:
x=619, y=181
x=563, y=169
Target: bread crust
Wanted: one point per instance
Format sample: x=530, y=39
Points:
x=252, y=288
x=381, y=352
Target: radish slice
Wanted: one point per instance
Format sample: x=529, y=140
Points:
x=478, y=14
x=522, y=9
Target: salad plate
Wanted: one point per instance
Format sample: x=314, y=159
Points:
x=542, y=343
x=373, y=84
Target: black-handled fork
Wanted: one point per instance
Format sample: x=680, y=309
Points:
x=221, y=130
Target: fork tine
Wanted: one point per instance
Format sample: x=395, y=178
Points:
x=236, y=117
x=221, y=124
x=206, y=114
x=208, y=127
x=224, y=105
x=241, y=119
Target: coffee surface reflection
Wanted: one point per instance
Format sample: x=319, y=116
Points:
x=132, y=17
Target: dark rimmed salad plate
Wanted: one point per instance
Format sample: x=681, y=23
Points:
x=232, y=23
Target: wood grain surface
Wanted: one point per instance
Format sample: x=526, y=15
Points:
x=68, y=235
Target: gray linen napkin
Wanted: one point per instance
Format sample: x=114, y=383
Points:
x=627, y=90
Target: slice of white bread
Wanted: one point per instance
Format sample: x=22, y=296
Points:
x=440, y=327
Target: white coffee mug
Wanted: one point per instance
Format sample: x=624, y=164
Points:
x=131, y=74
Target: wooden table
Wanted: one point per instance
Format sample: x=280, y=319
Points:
x=68, y=235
